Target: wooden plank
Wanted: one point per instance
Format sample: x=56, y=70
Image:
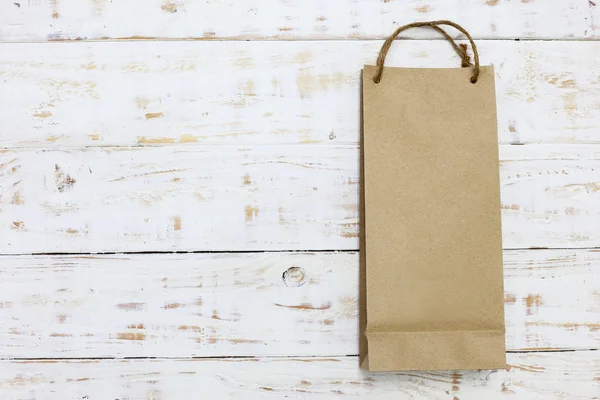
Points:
x=550, y=196
x=53, y=20
x=208, y=198
x=255, y=304
x=227, y=198
x=594, y=18
x=571, y=375
x=249, y=93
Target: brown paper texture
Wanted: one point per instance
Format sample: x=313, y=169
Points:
x=431, y=239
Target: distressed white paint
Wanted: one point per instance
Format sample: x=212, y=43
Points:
x=249, y=93
x=230, y=198
x=50, y=20
x=241, y=183
x=203, y=198
x=527, y=376
x=550, y=196
x=240, y=304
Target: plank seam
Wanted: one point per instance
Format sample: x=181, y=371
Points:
x=133, y=358
x=333, y=251
x=270, y=39
x=200, y=146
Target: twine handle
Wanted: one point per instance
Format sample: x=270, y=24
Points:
x=461, y=50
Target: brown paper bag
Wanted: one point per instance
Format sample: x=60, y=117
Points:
x=431, y=248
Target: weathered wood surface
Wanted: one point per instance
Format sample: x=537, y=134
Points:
x=57, y=20
x=228, y=198
x=249, y=93
x=255, y=304
x=572, y=375
x=253, y=146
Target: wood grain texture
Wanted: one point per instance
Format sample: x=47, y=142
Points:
x=527, y=376
x=253, y=146
x=255, y=304
x=59, y=20
x=228, y=198
x=250, y=93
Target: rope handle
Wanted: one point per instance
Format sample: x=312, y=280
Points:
x=461, y=50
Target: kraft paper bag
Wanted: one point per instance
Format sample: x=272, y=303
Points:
x=431, y=249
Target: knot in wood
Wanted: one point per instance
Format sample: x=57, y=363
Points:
x=294, y=276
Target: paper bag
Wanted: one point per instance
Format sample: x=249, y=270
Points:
x=431, y=250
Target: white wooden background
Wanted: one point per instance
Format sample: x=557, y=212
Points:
x=179, y=196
